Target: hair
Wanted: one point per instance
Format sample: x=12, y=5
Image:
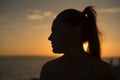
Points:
x=90, y=32
x=92, y=35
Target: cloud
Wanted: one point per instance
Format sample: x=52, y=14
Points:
x=3, y=18
x=39, y=15
x=110, y=10
x=47, y=14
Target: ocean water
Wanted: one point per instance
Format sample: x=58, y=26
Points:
x=28, y=68
x=21, y=68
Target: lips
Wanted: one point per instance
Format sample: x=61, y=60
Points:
x=52, y=44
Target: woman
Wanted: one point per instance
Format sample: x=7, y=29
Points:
x=70, y=29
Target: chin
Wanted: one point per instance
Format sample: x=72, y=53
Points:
x=58, y=51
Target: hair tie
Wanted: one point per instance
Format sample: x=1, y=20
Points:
x=85, y=14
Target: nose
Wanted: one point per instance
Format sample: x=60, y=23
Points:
x=50, y=37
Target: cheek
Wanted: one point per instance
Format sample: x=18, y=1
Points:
x=59, y=44
x=58, y=47
x=60, y=41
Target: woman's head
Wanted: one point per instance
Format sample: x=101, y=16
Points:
x=66, y=30
x=72, y=28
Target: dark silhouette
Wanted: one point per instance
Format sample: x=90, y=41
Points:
x=70, y=29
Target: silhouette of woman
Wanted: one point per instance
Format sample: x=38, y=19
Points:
x=70, y=29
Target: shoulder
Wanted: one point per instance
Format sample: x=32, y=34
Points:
x=53, y=62
x=104, y=70
x=51, y=66
x=103, y=65
x=48, y=71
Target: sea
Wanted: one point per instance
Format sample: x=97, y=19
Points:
x=21, y=68
x=29, y=67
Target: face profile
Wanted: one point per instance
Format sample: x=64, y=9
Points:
x=57, y=38
x=63, y=37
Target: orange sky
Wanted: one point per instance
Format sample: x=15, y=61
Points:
x=26, y=25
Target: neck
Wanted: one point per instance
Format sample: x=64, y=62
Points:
x=74, y=51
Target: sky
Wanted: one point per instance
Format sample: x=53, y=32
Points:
x=25, y=25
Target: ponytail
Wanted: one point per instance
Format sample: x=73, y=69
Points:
x=91, y=32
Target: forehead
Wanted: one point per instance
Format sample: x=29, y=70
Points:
x=56, y=25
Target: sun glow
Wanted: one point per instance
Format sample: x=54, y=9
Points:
x=85, y=46
x=25, y=28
